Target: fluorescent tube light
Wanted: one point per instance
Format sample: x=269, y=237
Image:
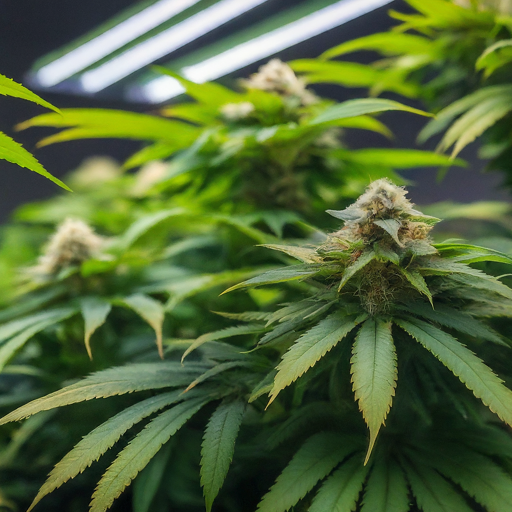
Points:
x=164, y=43
x=165, y=87
x=111, y=40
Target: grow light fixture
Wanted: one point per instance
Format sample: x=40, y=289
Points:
x=165, y=87
x=94, y=50
x=164, y=43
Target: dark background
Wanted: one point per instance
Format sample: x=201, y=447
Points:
x=30, y=29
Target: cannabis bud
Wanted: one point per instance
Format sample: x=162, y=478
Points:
x=237, y=111
x=276, y=76
x=73, y=243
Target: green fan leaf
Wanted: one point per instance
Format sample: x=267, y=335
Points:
x=495, y=56
x=9, y=87
x=150, y=310
x=341, y=491
x=218, y=447
x=310, y=348
x=388, y=43
x=481, y=478
x=11, y=347
x=317, y=457
x=280, y=275
x=16, y=154
x=111, y=382
x=94, y=312
x=353, y=108
x=140, y=451
x=355, y=267
x=304, y=254
x=432, y=492
x=478, y=377
x=458, y=320
x=218, y=368
x=386, y=490
x=99, y=440
x=236, y=330
x=374, y=374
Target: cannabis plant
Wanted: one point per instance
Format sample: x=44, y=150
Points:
x=455, y=55
x=372, y=301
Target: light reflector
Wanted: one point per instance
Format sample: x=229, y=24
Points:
x=111, y=40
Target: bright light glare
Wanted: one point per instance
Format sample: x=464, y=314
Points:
x=164, y=43
x=111, y=40
x=165, y=87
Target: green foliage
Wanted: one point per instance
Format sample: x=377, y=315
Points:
x=11, y=150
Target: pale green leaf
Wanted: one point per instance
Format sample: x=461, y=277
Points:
x=150, y=310
x=99, y=440
x=218, y=447
x=111, y=382
x=279, y=275
x=477, y=376
x=358, y=107
x=391, y=226
x=16, y=154
x=386, y=490
x=236, y=330
x=9, y=87
x=317, y=457
x=310, y=348
x=360, y=263
x=304, y=254
x=388, y=43
x=341, y=491
x=140, y=451
x=9, y=348
x=374, y=374
x=94, y=312
x=495, y=56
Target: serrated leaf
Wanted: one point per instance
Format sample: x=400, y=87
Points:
x=149, y=480
x=458, y=320
x=99, y=440
x=391, y=226
x=341, y=491
x=477, y=376
x=95, y=312
x=279, y=275
x=310, y=348
x=374, y=374
x=111, y=382
x=218, y=447
x=432, y=492
x=9, y=349
x=317, y=457
x=139, y=452
x=492, y=58
x=353, y=108
x=150, y=310
x=386, y=490
x=16, y=154
x=263, y=387
x=384, y=253
x=482, y=479
x=9, y=87
x=360, y=263
x=418, y=282
x=218, y=368
x=236, y=330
